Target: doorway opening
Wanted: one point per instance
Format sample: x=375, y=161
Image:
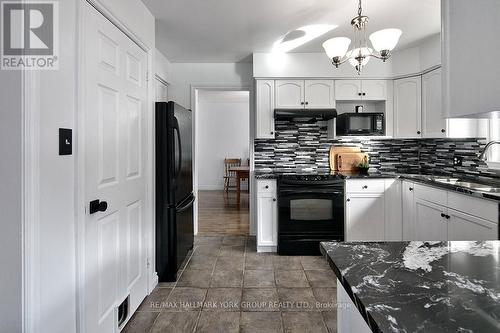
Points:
x=223, y=161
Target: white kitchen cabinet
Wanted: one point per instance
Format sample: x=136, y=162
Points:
x=466, y=227
x=407, y=107
x=264, y=115
x=290, y=94
x=308, y=94
x=365, y=217
x=374, y=90
x=319, y=94
x=356, y=90
x=348, y=90
x=408, y=203
x=393, y=210
x=471, y=87
x=433, y=123
x=430, y=221
x=267, y=216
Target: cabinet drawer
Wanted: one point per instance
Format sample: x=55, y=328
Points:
x=431, y=194
x=365, y=186
x=482, y=208
x=266, y=186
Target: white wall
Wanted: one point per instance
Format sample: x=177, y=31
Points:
x=411, y=60
x=311, y=65
x=223, y=132
x=185, y=75
x=162, y=67
x=10, y=201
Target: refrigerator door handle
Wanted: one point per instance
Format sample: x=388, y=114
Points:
x=179, y=163
x=186, y=206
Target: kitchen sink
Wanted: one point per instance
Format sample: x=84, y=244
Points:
x=469, y=185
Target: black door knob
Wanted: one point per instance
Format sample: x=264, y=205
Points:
x=443, y=130
x=411, y=189
x=97, y=206
x=359, y=94
x=364, y=94
x=348, y=200
x=418, y=132
x=307, y=103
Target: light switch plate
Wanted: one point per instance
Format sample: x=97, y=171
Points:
x=65, y=141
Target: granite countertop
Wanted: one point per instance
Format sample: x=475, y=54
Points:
x=419, y=178
x=421, y=286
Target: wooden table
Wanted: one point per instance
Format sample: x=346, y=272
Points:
x=242, y=172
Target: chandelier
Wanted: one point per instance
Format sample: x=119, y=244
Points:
x=383, y=41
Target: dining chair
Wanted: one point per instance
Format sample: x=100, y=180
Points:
x=230, y=176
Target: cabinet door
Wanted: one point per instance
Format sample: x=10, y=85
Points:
x=430, y=225
x=289, y=94
x=374, y=90
x=407, y=107
x=433, y=123
x=348, y=90
x=465, y=227
x=365, y=217
x=264, y=116
x=319, y=94
x=267, y=230
x=408, y=196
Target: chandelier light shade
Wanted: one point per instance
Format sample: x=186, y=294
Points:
x=382, y=41
x=336, y=47
x=385, y=39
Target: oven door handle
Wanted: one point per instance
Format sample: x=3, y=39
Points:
x=295, y=192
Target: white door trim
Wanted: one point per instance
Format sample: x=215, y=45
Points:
x=31, y=202
x=195, y=88
x=79, y=144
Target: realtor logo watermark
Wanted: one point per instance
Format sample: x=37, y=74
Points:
x=30, y=35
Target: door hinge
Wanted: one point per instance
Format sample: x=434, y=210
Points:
x=147, y=76
x=147, y=263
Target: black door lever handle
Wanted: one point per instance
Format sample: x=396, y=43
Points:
x=97, y=206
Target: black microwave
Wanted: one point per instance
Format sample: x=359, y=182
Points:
x=361, y=124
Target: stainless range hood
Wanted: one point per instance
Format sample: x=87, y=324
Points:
x=324, y=114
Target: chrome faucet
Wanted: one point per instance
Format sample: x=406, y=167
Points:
x=482, y=156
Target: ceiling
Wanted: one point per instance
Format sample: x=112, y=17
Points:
x=231, y=30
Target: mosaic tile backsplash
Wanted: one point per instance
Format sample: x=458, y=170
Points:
x=303, y=144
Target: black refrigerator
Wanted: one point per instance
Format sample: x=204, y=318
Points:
x=174, y=188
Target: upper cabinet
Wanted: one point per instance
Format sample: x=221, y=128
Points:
x=290, y=94
x=319, y=94
x=308, y=94
x=374, y=90
x=407, y=107
x=355, y=90
x=433, y=123
x=471, y=85
x=264, y=105
x=347, y=90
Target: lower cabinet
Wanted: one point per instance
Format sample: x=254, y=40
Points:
x=267, y=216
x=365, y=217
x=428, y=216
x=430, y=221
x=367, y=212
x=466, y=227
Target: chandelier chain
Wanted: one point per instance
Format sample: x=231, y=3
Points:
x=360, y=10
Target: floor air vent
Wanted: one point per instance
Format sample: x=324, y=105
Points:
x=123, y=311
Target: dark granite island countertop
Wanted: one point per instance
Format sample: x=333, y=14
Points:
x=421, y=286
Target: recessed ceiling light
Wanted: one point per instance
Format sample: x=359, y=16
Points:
x=300, y=36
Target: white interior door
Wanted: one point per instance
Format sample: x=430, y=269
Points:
x=115, y=104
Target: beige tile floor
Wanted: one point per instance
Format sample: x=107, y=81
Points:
x=226, y=286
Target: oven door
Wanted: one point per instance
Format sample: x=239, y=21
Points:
x=318, y=211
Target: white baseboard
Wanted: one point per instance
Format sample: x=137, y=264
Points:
x=267, y=249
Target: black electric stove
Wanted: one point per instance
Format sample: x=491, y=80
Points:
x=310, y=210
